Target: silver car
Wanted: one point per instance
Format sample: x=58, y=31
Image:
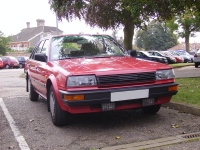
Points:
x=197, y=59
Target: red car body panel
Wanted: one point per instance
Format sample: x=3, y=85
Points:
x=1, y=64
x=10, y=61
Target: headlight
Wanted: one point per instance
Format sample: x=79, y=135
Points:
x=89, y=80
x=165, y=74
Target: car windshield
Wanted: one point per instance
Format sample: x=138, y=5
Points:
x=13, y=58
x=182, y=52
x=74, y=46
x=146, y=53
x=167, y=53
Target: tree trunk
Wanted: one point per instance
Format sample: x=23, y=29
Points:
x=187, y=38
x=128, y=34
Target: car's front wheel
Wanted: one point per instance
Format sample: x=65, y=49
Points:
x=33, y=96
x=20, y=66
x=196, y=65
x=151, y=109
x=7, y=66
x=59, y=117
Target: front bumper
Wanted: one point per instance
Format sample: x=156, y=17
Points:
x=94, y=98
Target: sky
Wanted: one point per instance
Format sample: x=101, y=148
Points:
x=15, y=13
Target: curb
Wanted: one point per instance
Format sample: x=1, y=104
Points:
x=185, y=108
x=155, y=143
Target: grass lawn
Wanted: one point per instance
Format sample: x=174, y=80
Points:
x=181, y=64
x=188, y=91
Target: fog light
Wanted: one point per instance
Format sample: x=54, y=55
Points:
x=73, y=97
x=173, y=88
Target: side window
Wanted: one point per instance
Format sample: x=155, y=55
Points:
x=45, y=46
x=37, y=49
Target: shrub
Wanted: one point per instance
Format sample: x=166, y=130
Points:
x=30, y=49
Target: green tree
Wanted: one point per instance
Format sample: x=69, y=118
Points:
x=156, y=37
x=186, y=25
x=4, y=43
x=30, y=49
x=112, y=14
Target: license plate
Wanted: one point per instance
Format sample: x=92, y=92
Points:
x=129, y=95
x=108, y=106
x=15, y=64
x=148, y=102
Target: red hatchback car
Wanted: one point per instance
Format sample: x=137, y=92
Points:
x=1, y=63
x=94, y=73
x=10, y=62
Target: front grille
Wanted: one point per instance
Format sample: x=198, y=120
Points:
x=144, y=77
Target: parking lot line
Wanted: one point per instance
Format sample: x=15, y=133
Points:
x=18, y=136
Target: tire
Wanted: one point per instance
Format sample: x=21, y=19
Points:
x=58, y=116
x=20, y=66
x=151, y=109
x=196, y=65
x=7, y=66
x=33, y=96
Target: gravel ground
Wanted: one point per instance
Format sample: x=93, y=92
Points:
x=87, y=130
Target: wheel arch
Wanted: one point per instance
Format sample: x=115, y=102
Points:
x=51, y=81
x=26, y=77
x=48, y=85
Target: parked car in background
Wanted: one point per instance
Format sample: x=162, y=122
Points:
x=22, y=60
x=197, y=59
x=93, y=73
x=1, y=63
x=171, y=60
x=10, y=62
x=179, y=59
x=187, y=57
x=147, y=56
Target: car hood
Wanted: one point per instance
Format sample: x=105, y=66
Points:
x=103, y=65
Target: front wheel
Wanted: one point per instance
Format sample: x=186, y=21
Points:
x=58, y=116
x=196, y=65
x=20, y=66
x=7, y=66
x=151, y=109
x=33, y=96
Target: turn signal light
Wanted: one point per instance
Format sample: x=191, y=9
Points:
x=173, y=88
x=73, y=97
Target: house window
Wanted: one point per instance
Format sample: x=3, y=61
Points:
x=25, y=45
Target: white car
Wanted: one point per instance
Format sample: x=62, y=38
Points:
x=197, y=59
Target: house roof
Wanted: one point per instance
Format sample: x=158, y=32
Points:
x=193, y=46
x=29, y=33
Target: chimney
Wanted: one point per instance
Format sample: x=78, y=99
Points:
x=28, y=24
x=40, y=22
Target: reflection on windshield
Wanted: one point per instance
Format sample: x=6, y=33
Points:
x=76, y=46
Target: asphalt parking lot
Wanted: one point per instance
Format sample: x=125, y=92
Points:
x=27, y=125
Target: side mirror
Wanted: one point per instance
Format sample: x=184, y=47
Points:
x=41, y=57
x=133, y=53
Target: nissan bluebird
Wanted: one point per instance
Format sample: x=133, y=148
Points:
x=94, y=73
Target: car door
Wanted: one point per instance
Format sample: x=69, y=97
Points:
x=32, y=65
x=42, y=70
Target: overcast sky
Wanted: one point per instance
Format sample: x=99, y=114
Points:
x=15, y=13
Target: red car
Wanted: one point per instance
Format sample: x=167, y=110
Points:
x=93, y=73
x=10, y=62
x=1, y=63
x=179, y=59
